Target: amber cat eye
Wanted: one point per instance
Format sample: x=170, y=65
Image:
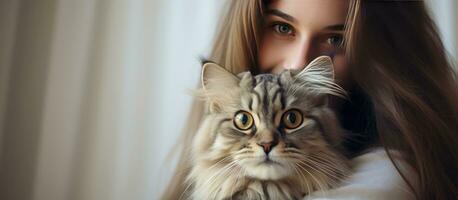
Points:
x=292, y=118
x=243, y=120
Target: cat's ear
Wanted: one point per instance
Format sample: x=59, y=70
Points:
x=216, y=77
x=218, y=86
x=319, y=77
x=320, y=68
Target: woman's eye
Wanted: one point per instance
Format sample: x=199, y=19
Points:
x=283, y=29
x=243, y=120
x=292, y=119
x=335, y=40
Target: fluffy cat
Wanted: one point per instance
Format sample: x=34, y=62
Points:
x=267, y=136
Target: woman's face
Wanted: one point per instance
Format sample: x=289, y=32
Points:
x=297, y=31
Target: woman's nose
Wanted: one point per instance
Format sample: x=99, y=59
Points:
x=300, y=55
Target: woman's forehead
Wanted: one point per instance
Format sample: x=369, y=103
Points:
x=310, y=14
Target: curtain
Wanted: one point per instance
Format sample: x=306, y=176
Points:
x=446, y=17
x=94, y=93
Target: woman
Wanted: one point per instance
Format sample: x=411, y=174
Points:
x=388, y=55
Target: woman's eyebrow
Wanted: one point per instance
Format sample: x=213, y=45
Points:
x=336, y=27
x=282, y=15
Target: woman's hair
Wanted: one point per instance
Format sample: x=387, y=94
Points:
x=400, y=62
x=402, y=73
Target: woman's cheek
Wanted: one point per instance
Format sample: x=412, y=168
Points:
x=341, y=69
x=269, y=54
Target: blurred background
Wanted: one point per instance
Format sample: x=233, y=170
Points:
x=93, y=93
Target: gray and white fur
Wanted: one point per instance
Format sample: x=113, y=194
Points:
x=267, y=136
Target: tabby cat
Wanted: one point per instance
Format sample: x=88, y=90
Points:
x=267, y=136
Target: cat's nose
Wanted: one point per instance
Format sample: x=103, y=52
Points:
x=267, y=146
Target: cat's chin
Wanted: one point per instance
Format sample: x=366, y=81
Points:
x=267, y=170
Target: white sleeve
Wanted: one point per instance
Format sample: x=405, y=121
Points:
x=374, y=177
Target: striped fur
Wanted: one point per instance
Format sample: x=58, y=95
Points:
x=228, y=163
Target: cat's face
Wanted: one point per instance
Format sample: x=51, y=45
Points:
x=271, y=126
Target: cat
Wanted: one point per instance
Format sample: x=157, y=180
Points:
x=267, y=136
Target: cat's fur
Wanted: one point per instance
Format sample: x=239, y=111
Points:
x=229, y=163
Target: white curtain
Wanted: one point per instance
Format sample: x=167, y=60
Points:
x=93, y=93
x=446, y=16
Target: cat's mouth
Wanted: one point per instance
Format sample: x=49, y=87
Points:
x=268, y=161
x=267, y=168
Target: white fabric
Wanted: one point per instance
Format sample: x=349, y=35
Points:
x=374, y=177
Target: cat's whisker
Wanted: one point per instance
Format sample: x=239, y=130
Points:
x=211, y=167
x=219, y=162
x=322, y=157
x=331, y=179
x=302, y=181
x=338, y=169
x=222, y=170
x=236, y=182
x=190, y=183
x=243, y=150
x=333, y=165
x=185, y=190
x=245, y=157
x=306, y=180
x=335, y=174
x=316, y=166
x=330, y=182
x=319, y=184
x=325, y=165
x=210, y=181
x=228, y=172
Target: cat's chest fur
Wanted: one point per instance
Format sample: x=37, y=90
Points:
x=228, y=181
x=259, y=189
x=223, y=182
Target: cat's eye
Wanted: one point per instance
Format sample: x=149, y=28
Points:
x=292, y=119
x=243, y=120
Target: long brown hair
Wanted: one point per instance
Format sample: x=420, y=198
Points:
x=401, y=69
x=400, y=62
